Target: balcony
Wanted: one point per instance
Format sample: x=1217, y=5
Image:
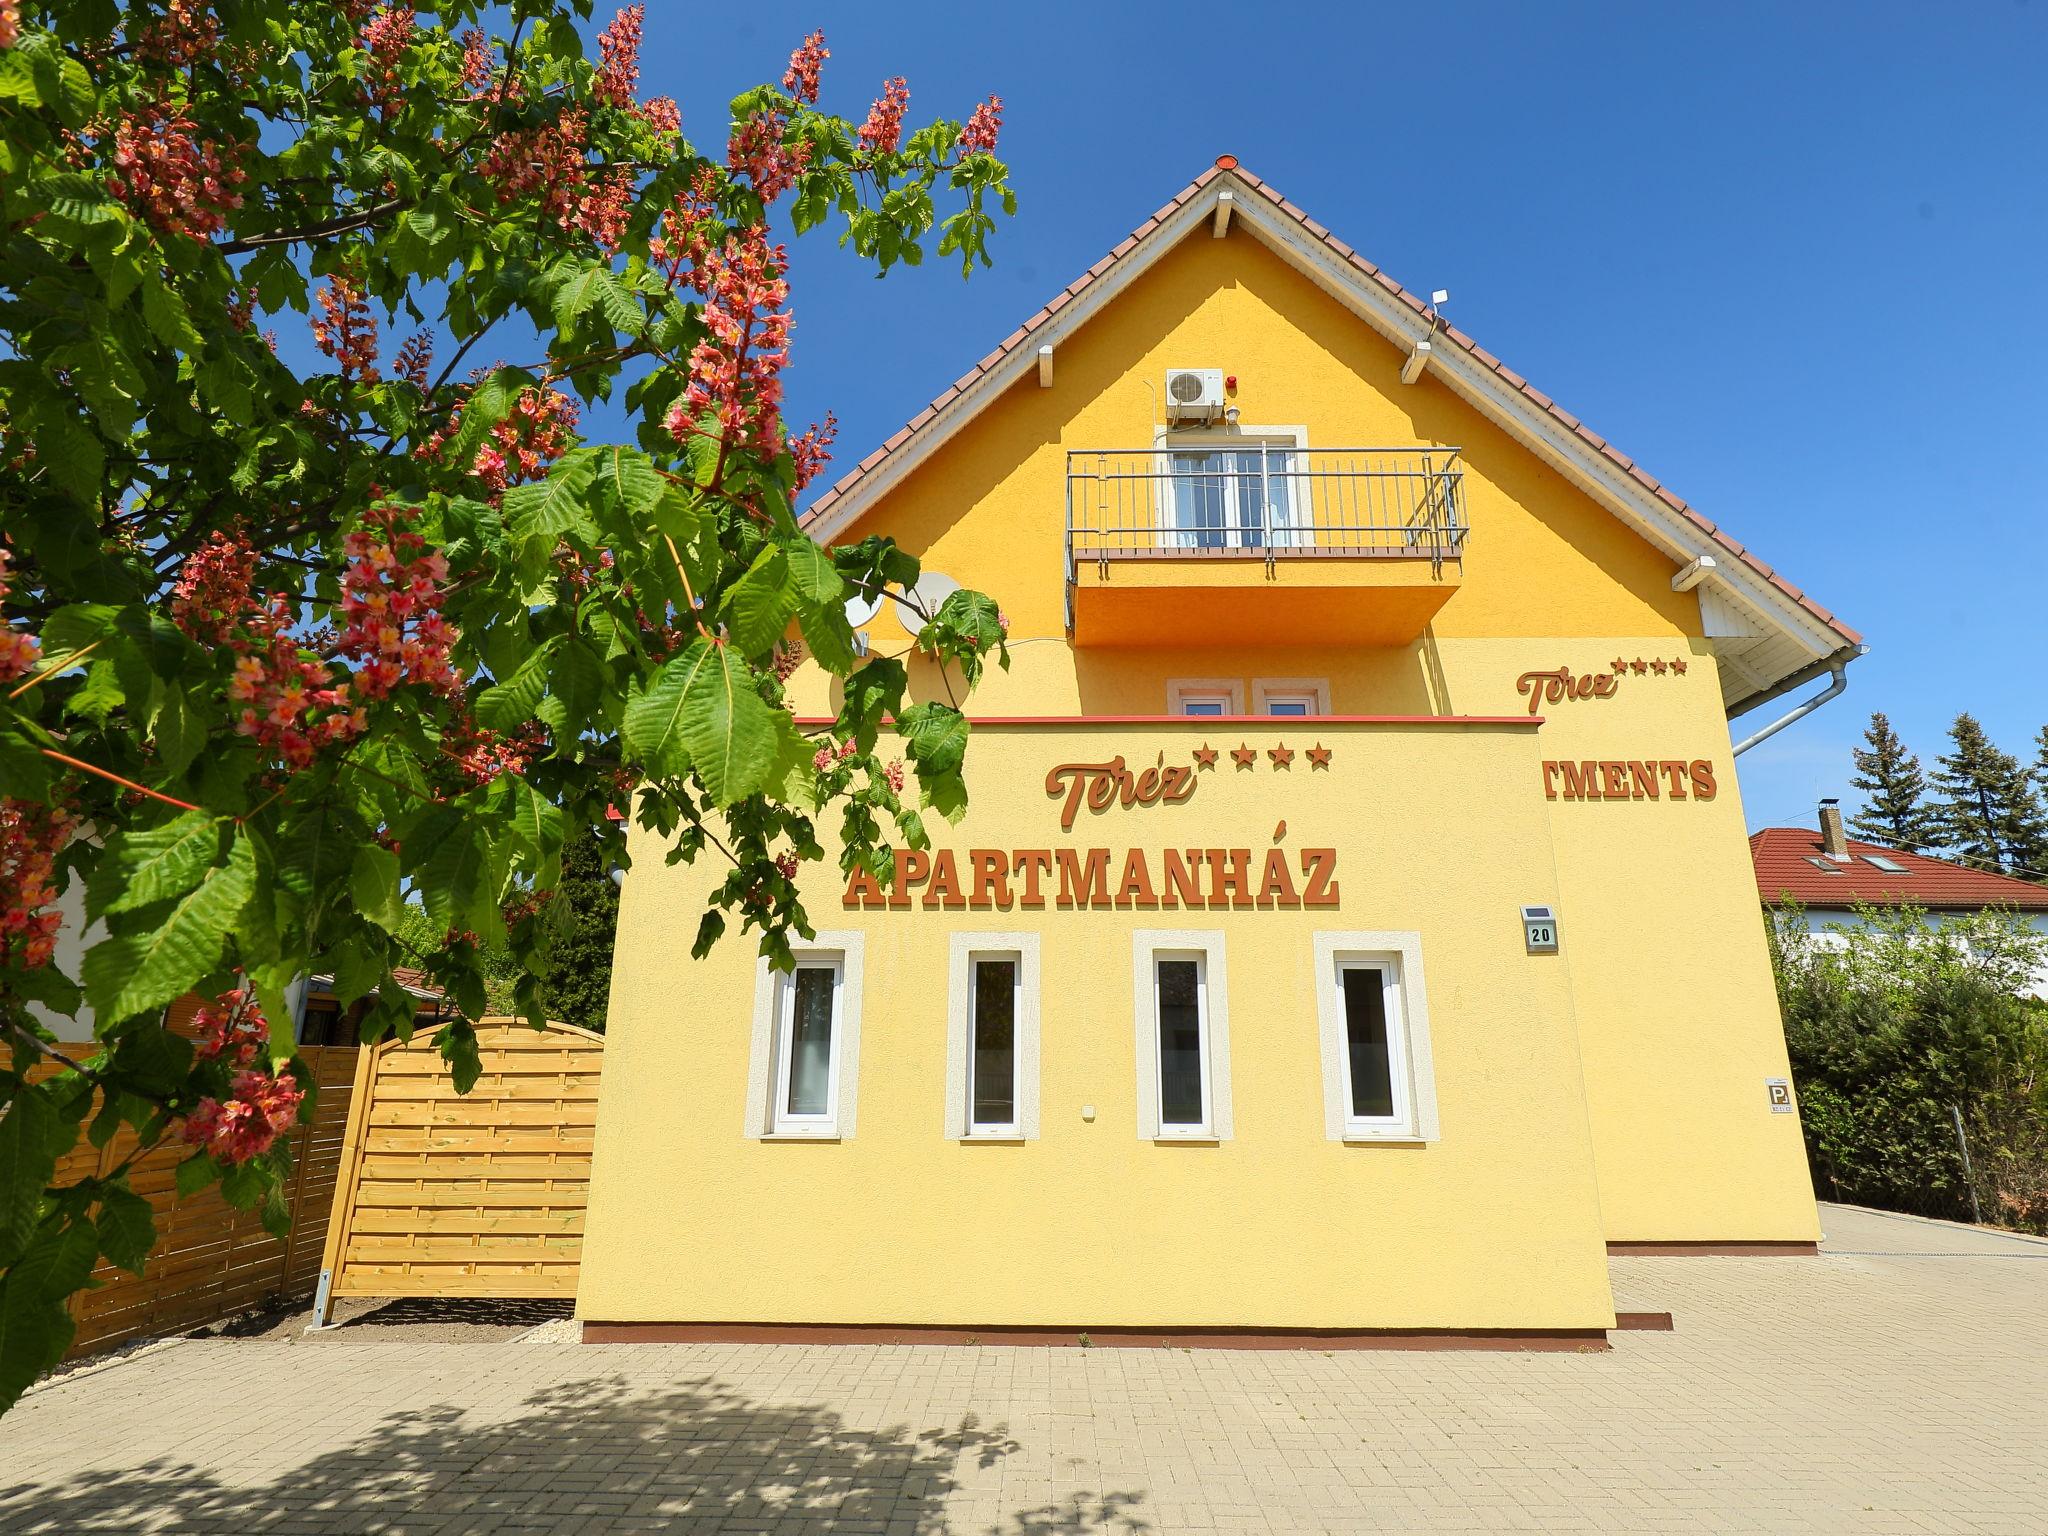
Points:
x=1252, y=543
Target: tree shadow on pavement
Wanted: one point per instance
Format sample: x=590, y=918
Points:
x=594, y=1456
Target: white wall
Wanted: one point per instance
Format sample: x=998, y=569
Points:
x=1820, y=919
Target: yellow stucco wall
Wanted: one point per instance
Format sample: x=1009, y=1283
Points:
x=1615, y=1090
x=1496, y=1225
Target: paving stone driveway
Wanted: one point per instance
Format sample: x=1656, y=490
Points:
x=1897, y=1383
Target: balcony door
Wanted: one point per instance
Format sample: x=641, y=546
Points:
x=1238, y=497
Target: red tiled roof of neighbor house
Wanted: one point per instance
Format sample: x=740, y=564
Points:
x=1227, y=165
x=1783, y=856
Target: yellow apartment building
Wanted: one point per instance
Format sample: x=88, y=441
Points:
x=1352, y=936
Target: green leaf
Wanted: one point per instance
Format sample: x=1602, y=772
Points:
x=442, y=847
x=577, y=677
x=195, y=1173
x=27, y=1165
x=457, y=1041
x=935, y=740
x=76, y=460
x=74, y=627
x=652, y=728
x=554, y=506
x=597, y=287
x=811, y=568
x=50, y=987
x=630, y=479
x=127, y=1228
x=758, y=607
x=736, y=741
x=128, y=973
x=165, y=314
x=508, y=705
x=537, y=823
x=870, y=695
x=140, y=869
x=35, y=1328
x=150, y=1059
x=702, y=712
x=373, y=887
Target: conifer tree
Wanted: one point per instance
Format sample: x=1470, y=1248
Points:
x=1991, y=815
x=578, y=989
x=1895, y=810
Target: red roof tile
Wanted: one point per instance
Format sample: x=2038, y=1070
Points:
x=1227, y=164
x=1783, y=856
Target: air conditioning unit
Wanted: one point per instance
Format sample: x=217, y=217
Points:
x=1194, y=394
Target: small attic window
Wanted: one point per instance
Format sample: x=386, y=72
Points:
x=1825, y=865
x=1889, y=866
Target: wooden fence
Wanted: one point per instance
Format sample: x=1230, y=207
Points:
x=479, y=1194
x=211, y=1260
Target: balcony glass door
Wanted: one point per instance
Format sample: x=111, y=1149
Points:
x=1231, y=498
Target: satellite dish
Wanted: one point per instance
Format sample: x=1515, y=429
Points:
x=862, y=610
x=932, y=589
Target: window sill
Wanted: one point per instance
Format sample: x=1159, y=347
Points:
x=1401, y=1138
x=818, y=1135
x=992, y=1139
x=1197, y=1139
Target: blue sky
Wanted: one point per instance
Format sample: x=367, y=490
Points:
x=1791, y=258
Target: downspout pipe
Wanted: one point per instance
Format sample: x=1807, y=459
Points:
x=1838, y=682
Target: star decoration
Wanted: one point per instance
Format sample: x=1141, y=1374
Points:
x=1678, y=665
x=1619, y=666
x=1657, y=666
x=1244, y=756
x=1205, y=756
x=1282, y=755
x=1319, y=756
x=1639, y=666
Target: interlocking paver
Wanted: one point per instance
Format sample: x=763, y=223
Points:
x=1896, y=1384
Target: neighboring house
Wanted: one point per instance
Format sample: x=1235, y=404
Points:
x=324, y=1021
x=1828, y=874
x=1352, y=931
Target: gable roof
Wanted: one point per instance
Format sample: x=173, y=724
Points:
x=1785, y=635
x=1783, y=856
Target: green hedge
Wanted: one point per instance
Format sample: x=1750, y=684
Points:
x=1895, y=1026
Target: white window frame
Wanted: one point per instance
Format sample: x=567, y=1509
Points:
x=1167, y=441
x=1316, y=690
x=965, y=949
x=1398, y=954
x=1180, y=690
x=768, y=1053
x=1205, y=945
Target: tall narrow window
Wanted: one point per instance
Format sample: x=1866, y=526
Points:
x=992, y=1095
x=1368, y=1051
x=1182, y=1009
x=992, y=995
x=1372, y=1011
x=807, y=1048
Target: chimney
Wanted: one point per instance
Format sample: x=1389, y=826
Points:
x=1832, y=841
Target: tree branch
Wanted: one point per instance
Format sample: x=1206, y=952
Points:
x=341, y=224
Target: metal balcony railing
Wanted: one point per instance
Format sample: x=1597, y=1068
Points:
x=1263, y=500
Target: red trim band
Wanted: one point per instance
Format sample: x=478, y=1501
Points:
x=1267, y=721
x=1572, y=1340
x=1711, y=1250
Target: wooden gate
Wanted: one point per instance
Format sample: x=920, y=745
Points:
x=477, y=1194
